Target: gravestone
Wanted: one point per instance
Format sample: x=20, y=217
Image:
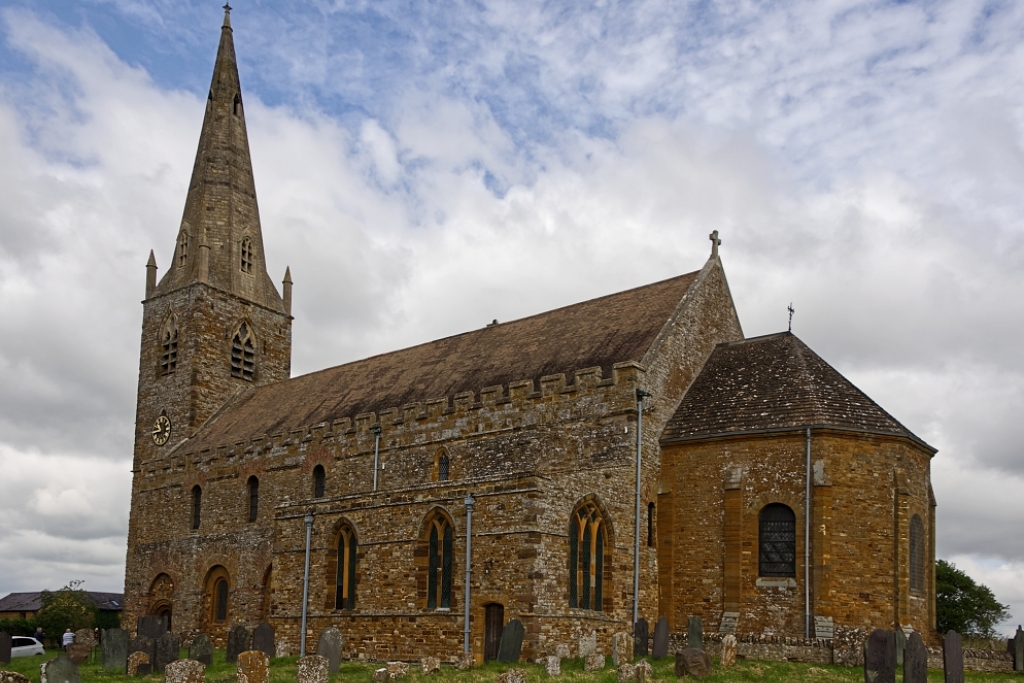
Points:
x=61, y=670
x=692, y=661
x=263, y=639
x=511, y=642
x=643, y=670
x=114, y=647
x=13, y=677
x=381, y=676
x=880, y=657
x=730, y=621
x=553, y=666
x=728, y=651
x=152, y=627
x=312, y=669
x=626, y=673
x=660, y=649
x=695, y=633
x=185, y=671
x=167, y=650
x=239, y=641
x=253, y=667
x=915, y=660
x=640, y=638
x=953, y=657
x=594, y=662
x=78, y=652
x=824, y=628
x=398, y=669
x=5, y=648
x=512, y=676
x=329, y=645
x=201, y=649
x=143, y=644
x=562, y=650
x=622, y=648
x=84, y=636
x=901, y=644
x=138, y=664
x=429, y=665
x=1018, y=651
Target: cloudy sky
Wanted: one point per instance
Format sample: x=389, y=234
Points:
x=425, y=168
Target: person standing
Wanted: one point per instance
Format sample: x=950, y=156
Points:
x=39, y=635
x=67, y=639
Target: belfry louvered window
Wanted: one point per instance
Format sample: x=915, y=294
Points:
x=246, y=255
x=182, y=249
x=169, y=347
x=441, y=540
x=777, y=541
x=243, y=354
x=345, y=597
x=916, y=554
x=319, y=481
x=586, y=557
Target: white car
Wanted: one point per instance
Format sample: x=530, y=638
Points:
x=22, y=646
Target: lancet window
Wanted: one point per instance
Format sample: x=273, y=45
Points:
x=169, y=347
x=345, y=595
x=182, y=249
x=243, y=354
x=254, y=498
x=246, y=255
x=586, y=557
x=440, y=550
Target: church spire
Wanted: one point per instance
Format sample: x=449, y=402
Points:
x=220, y=240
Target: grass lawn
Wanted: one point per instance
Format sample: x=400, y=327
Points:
x=282, y=670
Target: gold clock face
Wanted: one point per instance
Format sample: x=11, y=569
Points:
x=161, y=430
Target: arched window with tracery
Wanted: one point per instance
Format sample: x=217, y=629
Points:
x=777, y=541
x=442, y=466
x=319, y=481
x=345, y=582
x=182, y=249
x=246, y=255
x=440, y=540
x=197, y=505
x=916, y=554
x=254, y=498
x=169, y=347
x=243, y=353
x=586, y=557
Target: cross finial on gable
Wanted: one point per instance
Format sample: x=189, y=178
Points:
x=227, y=16
x=791, y=312
x=714, y=243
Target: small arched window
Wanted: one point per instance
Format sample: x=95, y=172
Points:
x=169, y=347
x=254, y=498
x=916, y=554
x=586, y=557
x=440, y=550
x=243, y=354
x=345, y=595
x=777, y=541
x=442, y=466
x=246, y=255
x=236, y=105
x=319, y=481
x=220, y=591
x=650, y=525
x=197, y=505
x=182, y=249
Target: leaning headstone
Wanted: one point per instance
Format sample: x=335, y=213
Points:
x=239, y=641
x=512, y=676
x=695, y=633
x=594, y=662
x=138, y=664
x=201, y=649
x=168, y=649
x=151, y=627
x=511, y=642
x=587, y=645
x=553, y=666
x=660, y=649
x=901, y=644
x=953, y=657
x=312, y=669
x=644, y=672
x=329, y=645
x=61, y=670
x=253, y=667
x=12, y=677
x=1018, y=651
x=622, y=648
x=114, y=647
x=728, y=657
x=694, y=662
x=5, y=648
x=185, y=671
x=880, y=657
x=915, y=660
x=640, y=638
x=263, y=639
x=142, y=644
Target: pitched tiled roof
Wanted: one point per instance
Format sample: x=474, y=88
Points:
x=30, y=602
x=600, y=332
x=774, y=382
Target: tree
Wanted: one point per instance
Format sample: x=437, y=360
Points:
x=70, y=607
x=969, y=608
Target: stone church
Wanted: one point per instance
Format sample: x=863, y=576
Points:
x=629, y=456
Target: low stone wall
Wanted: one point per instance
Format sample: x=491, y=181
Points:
x=983, y=661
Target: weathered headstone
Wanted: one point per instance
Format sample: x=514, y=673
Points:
x=953, y=657
x=692, y=661
x=643, y=671
x=511, y=642
x=730, y=621
x=381, y=675
x=78, y=652
x=429, y=665
x=329, y=645
x=640, y=638
x=626, y=673
x=398, y=669
x=201, y=649
x=239, y=641
x=466, y=660
x=728, y=657
x=594, y=662
x=901, y=644
x=84, y=636
x=587, y=645
x=143, y=644
x=512, y=676
x=880, y=657
x=312, y=669
x=824, y=628
x=622, y=648
x=114, y=646
x=263, y=639
x=152, y=627
x=12, y=677
x=5, y=648
x=1018, y=651
x=185, y=671
x=61, y=670
x=695, y=633
x=915, y=660
x=660, y=649
x=253, y=667
x=168, y=648
x=553, y=666
x=138, y=664
x=562, y=650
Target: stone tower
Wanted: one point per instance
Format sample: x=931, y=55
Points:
x=215, y=325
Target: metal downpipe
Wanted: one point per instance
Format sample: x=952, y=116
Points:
x=305, y=585
x=807, y=543
x=469, y=501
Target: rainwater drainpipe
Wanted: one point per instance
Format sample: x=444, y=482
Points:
x=807, y=543
x=305, y=585
x=640, y=396
x=376, y=453
x=469, y=500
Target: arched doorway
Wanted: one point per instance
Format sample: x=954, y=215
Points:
x=217, y=604
x=161, y=598
x=494, y=623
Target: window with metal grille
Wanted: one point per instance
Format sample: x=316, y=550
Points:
x=319, y=481
x=246, y=255
x=197, y=505
x=220, y=591
x=650, y=525
x=345, y=597
x=586, y=557
x=169, y=347
x=182, y=249
x=777, y=541
x=440, y=550
x=243, y=354
x=442, y=467
x=916, y=554
x=254, y=498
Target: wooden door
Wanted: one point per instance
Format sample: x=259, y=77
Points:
x=494, y=622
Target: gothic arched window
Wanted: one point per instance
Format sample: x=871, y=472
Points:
x=254, y=498
x=182, y=249
x=246, y=255
x=169, y=347
x=586, y=557
x=442, y=466
x=243, y=354
x=345, y=595
x=319, y=481
x=220, y=591
x=916, y=554
x=440, y=550
x=777, y=541
x=197, y=505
